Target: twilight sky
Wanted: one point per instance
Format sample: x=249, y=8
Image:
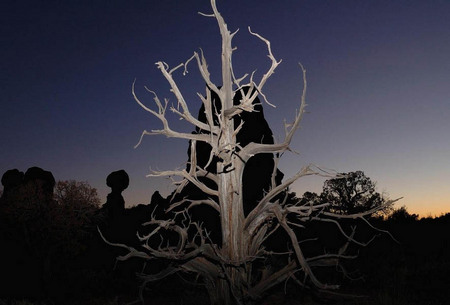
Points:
x=378, y=87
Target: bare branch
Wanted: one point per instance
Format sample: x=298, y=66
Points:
x=192, y=203
x=299, y=253
x=255, y=148
x=265, y=203
x=176, y=91
x=167, y=131
x=272, y=68
x=183, y=173
x=132, y=252
x=273, y=280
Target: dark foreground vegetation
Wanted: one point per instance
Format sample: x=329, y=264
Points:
x=52, y=253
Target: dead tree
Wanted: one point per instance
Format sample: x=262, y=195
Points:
x=227, y=268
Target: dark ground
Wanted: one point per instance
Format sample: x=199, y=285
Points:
x=415, y=271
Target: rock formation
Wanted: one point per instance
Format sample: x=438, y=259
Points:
x=35, y=179
x=258, y=170
x=118, y=181
x=11, y=181
x=41, y=179
x=257, y=173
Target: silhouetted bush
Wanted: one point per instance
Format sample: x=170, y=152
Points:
x=401, y=215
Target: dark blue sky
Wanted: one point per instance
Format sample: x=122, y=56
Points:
x=378, y=73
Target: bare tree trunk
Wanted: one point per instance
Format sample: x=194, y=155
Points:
x=230, y=172
x=219, y=293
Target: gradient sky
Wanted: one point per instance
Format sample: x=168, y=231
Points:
x=378, y=95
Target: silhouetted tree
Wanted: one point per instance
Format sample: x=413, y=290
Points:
x=76, y=195
x=233, y=270
x=352, y=193
x=45, y=227
x=310, y=198
x=58, y=221
x=75, y=213
x=402, y=215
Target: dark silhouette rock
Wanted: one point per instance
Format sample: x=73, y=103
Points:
x=257, y=173
x=36, y=180
x=26, y=204
x=157, y=205
x=258, y=170
x=118, y=181
x=41, y=179
x=11, y=181
x=156, y=197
